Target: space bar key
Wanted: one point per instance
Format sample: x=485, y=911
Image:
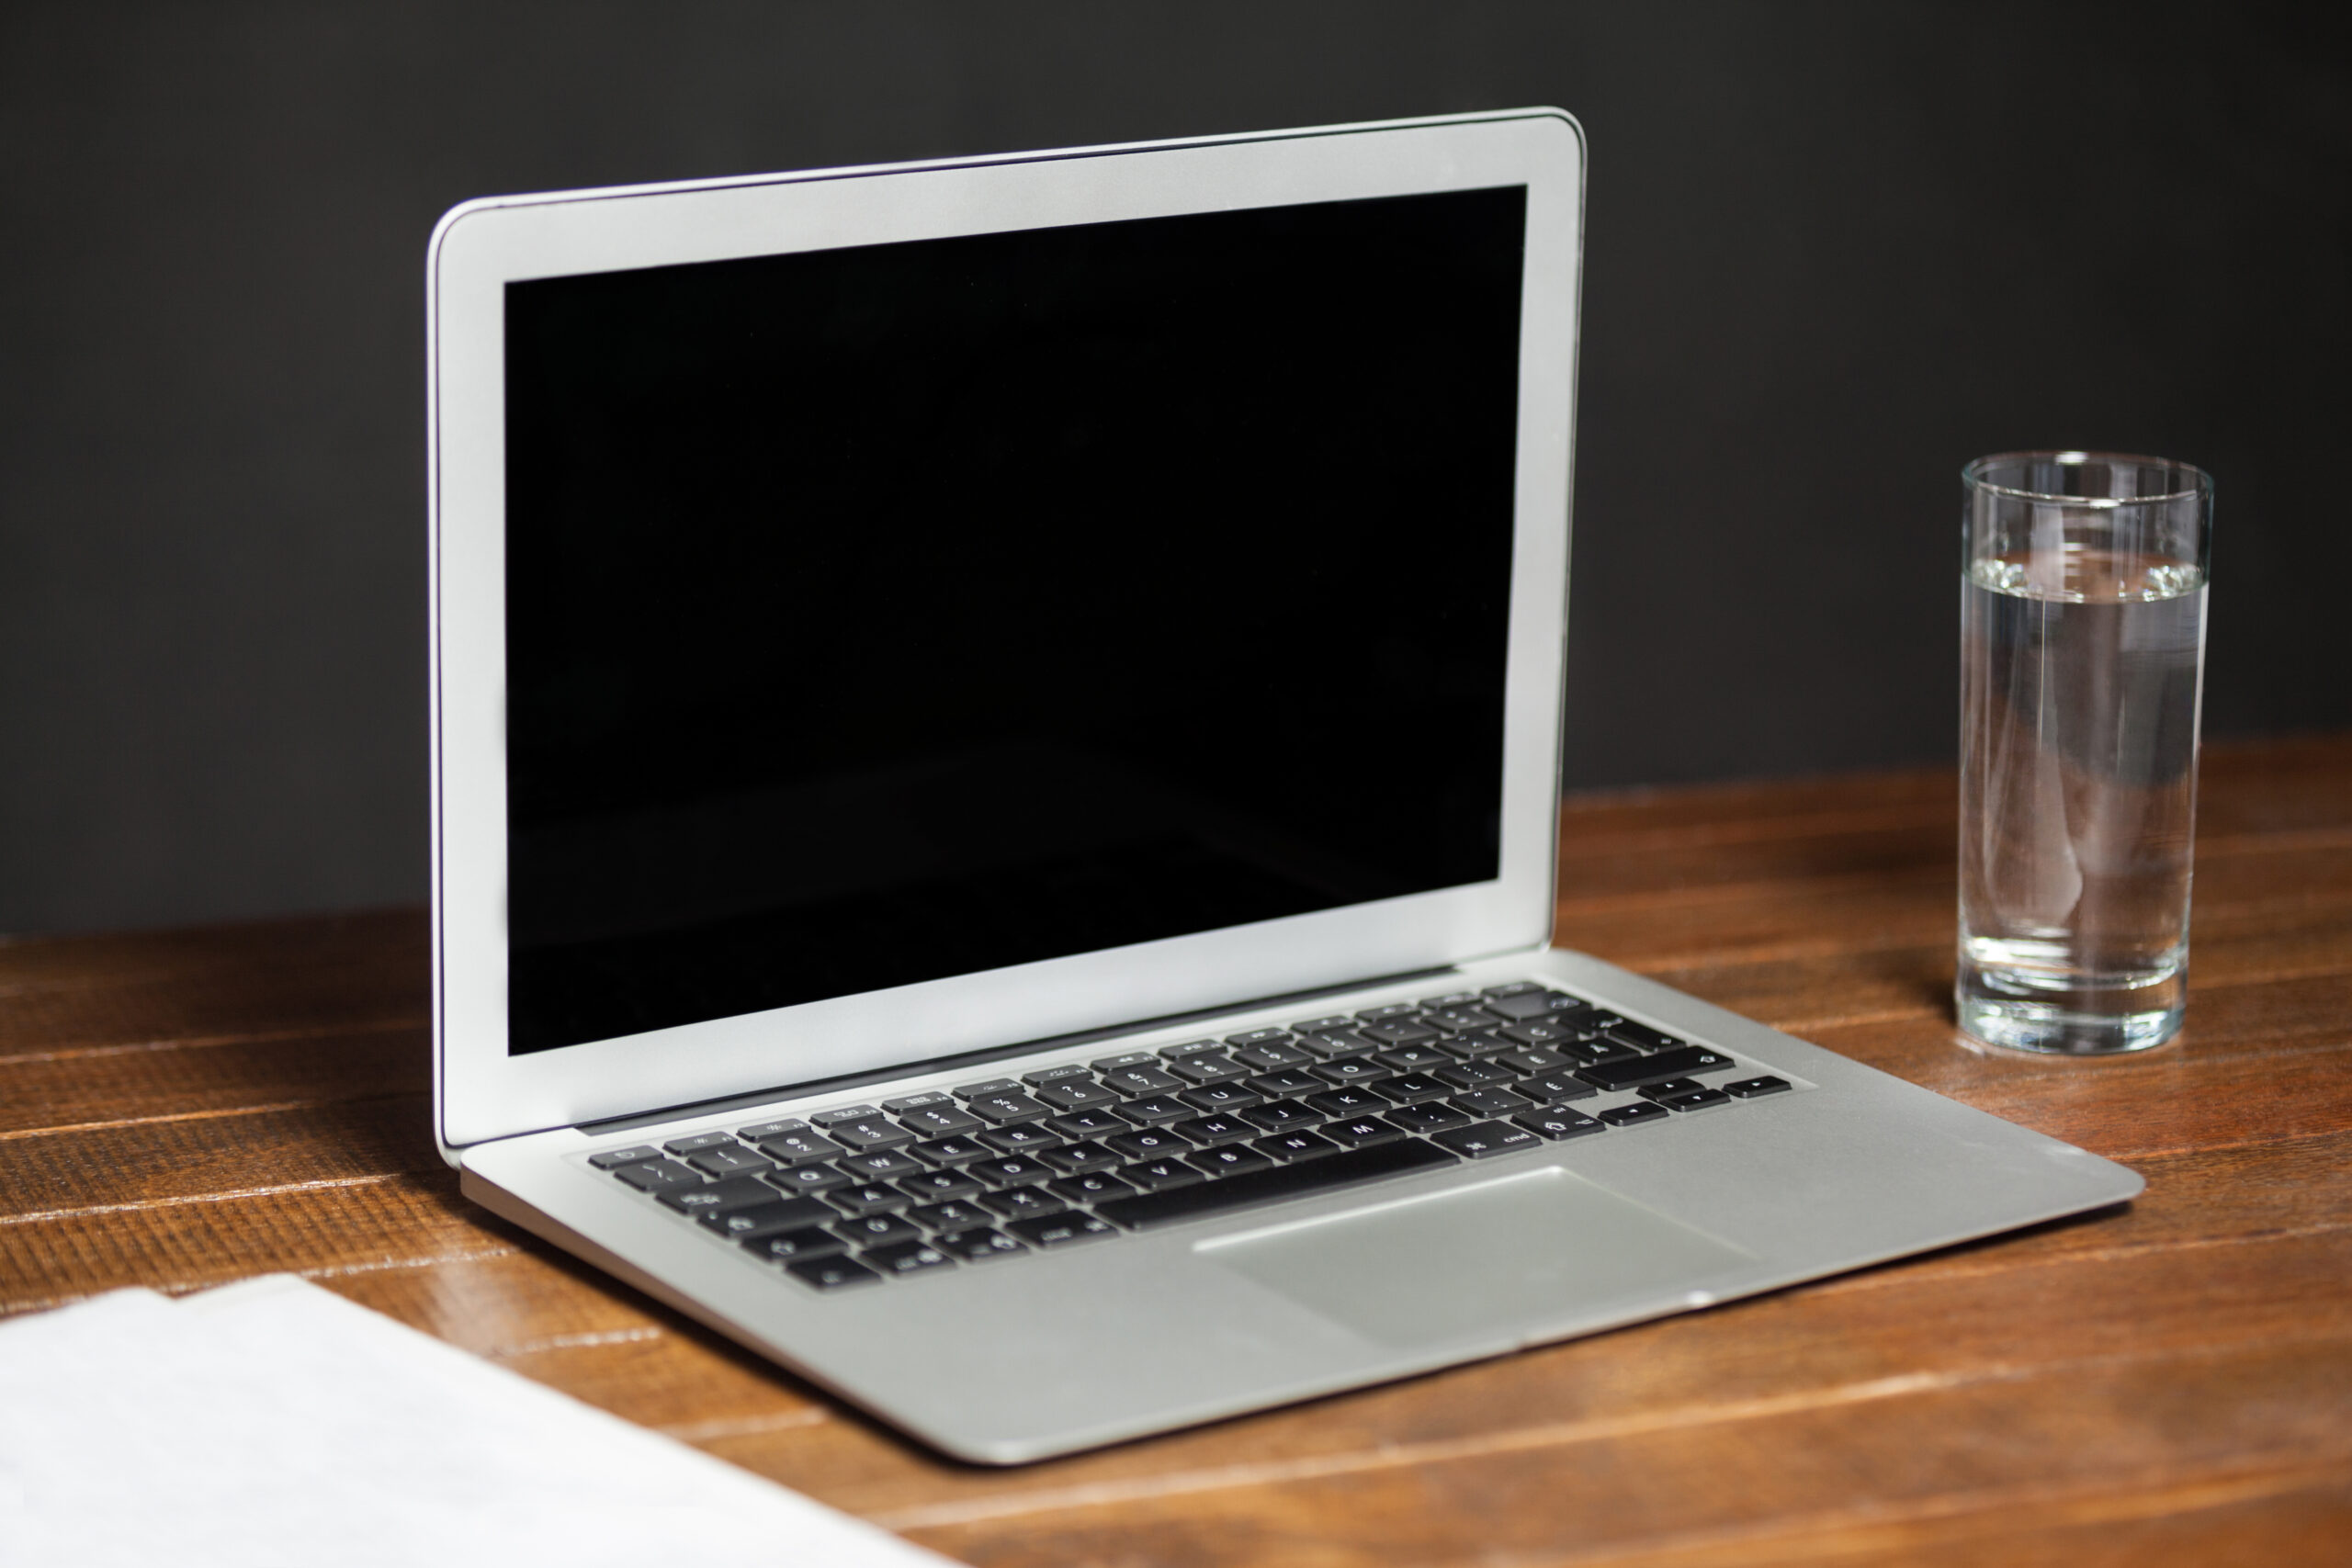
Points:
x=1256, y=1187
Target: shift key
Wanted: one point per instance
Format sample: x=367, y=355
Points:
x=1639, y=1070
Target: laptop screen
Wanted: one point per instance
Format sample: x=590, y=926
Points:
x=880, y=614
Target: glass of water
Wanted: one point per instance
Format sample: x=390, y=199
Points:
x=2081, y=669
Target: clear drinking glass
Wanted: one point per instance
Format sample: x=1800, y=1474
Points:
x=2081, y=672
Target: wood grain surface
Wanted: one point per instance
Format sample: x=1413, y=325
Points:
x=2167, y=1383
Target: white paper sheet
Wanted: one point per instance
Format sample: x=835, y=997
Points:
x=272, y=1422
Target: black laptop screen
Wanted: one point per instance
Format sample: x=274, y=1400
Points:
x=881, y=614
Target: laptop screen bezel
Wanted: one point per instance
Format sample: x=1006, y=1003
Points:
x=481, y=1090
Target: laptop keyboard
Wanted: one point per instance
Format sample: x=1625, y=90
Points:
x=1083, y=1151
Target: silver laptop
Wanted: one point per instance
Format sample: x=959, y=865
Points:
x=996, y=756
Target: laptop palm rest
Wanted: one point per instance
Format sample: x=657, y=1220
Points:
x=1487, y=1261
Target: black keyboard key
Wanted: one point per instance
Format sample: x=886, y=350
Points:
x=637, y=1155
x=1593, y=1052
x=1006, y=1107
x=1638, y=1070
x=799, y=1148
x=1347, y=1102
x=1154, y=1109
x=905, y=1103
x=1483, y=1044
x=1151, y=1175
x=1272, y=1055
x=1559, y=1121
x=1463, y=1020
x=735, y=1192
x=1067, y=1070
x=1256, y=1037
x=875, y=1230
x=1329, y=1043
x=1192, y=1048
x=1338, y=1021
x=1474, y=1074
x=1537, y=1034
x=868, y=1133
x=732, y=1159
x=931, y=1186
x=1081, y=1156
x=1275, y=1184
x=1362, y=1132
x=1551, y=1087
x=807, y=1177
x=1150, y=1143
x=1076, y=1094
x=1519, y=1006
x=699, y=1141
x=1062, y=1230
x=1015, y=1201
x=1124, y=1059
x=1217, y=1129
x=794, y=1244
x=987, y=1085
x=1093, y=1187
x=1492, y=1102
x=1428, y=1118
x=978, y=1244
x=1517, y=988
x=1353, y=1070
x=1413, y=1058
x=1751, y=1088
x=1451, y=999
x=955, y=1149
x=768, y=1218
x=1697, y=1099
x=942, y=1117
x=1390, y=1011
x=1296, y=1146
x=1089, y=1123
x=1221, y=1097
x=1142, y=1077
x=1021, y=1138
x=883, y=1165
x=1529, y=1060
x=861, y=1198
x=1411, y=1089
x=1399, y=1031
x=1487, y=1139
x=1281, y=1116
x=1670, y=1086
x=1632, y=1115
x=840, y=1113
x=1643, y=1035
x=1207, y=1068
x=1228, y=1159
x=1010, y=1170
x=1287, y=1083
x=654, y=1175
x=905, y=1258
x=761, y=1132
x=955, y=1214
x=832, y=1273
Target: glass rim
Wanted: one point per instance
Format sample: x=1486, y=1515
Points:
x=1972, y=477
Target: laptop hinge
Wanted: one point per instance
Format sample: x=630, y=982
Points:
x=991, y=1054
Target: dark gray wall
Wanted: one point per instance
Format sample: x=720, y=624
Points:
x=1835, y=251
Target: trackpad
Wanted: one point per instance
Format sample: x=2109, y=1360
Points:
x=1505, y=1258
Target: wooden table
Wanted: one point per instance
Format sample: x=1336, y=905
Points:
x=2171, y=1383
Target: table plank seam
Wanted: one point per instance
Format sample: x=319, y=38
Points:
x=1558, y=1434
x=322, y=1183
x=215, y=1113
x=1983, y=1512
x=198, y=1041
